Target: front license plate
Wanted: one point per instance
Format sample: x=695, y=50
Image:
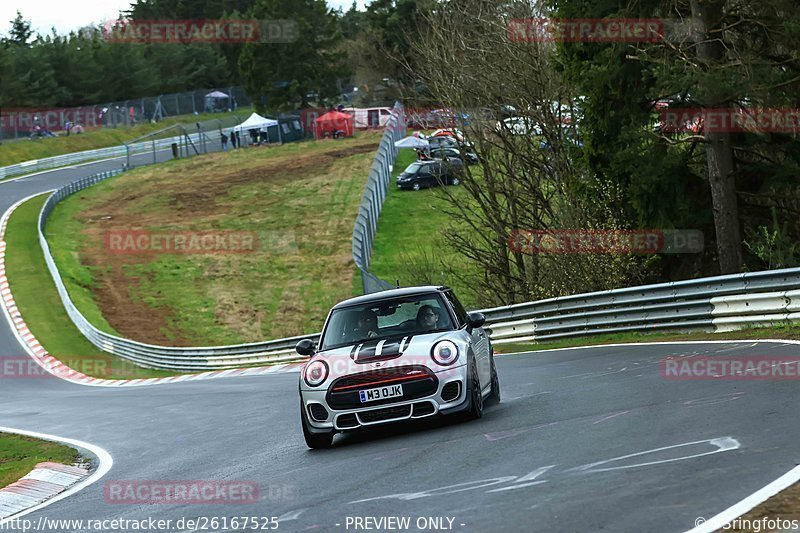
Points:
x=370, y=395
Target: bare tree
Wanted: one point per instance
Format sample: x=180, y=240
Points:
x=529, y=176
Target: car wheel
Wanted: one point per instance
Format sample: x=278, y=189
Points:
x=313, y=440
x=455, y=181
x=475, y=396
x=494, y=396
x=415, y=186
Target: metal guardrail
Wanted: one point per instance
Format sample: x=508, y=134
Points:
x=36, y=165
x=148, y=355
x=19, y=123
x=217, y=357
x=720, y=303
x=380, y=177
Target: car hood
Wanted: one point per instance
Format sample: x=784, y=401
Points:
x=398, y=350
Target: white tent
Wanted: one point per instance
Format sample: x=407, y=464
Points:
x=255, y=121
x=412, y=142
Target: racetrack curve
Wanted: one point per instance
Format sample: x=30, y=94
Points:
x=529, y=465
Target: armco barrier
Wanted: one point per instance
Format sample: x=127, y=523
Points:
x=37, y=165
x=720, y=303
x=188, y=359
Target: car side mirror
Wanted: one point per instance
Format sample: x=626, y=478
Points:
x=305, y=347
x=475, y=320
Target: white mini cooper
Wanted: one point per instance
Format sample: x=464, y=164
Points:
x=391, y=356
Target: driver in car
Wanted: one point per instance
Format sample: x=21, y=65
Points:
x=367, y=325
x=427, y=318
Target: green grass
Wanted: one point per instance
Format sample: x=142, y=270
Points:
x=19, y=455
x=300, y=199
x=409, y=245
x=40, y=305
x=20, y=150
x=783, y=331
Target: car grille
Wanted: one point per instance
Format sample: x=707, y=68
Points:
x=387, y=413
x=423, y=409
x=347, y=421
x=318, y=412
x=451, y=391
x=382, y=377
x=417, y=381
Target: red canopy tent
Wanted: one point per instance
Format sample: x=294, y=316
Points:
x=332, y=122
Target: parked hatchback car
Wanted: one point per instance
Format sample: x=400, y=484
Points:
x=466, y=154
x=433, y=173
x=392, y=356
x=442, y=141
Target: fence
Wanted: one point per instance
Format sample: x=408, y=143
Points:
x=154, y=146
x=206, y=137
x=20, y=123
x=720, y=303
x=380, y=176
x=191, y=359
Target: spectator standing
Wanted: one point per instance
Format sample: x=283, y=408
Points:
x=224, y=139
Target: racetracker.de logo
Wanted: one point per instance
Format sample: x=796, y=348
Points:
x=24, y=367
x=730, y=120
x=758, y=368
x=573, y=241
x=151, y=492
x=180, y=242
x=200, y=31
x=585, y=30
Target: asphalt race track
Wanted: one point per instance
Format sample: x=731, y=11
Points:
x=584, y=440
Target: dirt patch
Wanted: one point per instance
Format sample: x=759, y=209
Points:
x=772, y=515
x=197, y=195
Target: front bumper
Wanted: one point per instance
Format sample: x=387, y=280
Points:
x=444, y=400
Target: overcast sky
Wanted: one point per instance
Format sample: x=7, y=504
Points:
x=74, y=14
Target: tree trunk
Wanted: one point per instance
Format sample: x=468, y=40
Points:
x=719, y=151
x=723, y=197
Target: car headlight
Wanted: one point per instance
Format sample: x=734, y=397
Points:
x=444, y=353
x=315, y=373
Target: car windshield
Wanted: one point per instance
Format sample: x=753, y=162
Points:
x=413, y=168
x=412, y=315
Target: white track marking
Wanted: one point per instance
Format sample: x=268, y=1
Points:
x=723, y=444
x=105, y=459
x=609, y=417
x=751, y=342
x=58, y=169
x=54, y=367
x=738, y=509
x=526, y=481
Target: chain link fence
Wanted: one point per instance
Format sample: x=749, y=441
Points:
x=380, y=177
x=44, y=122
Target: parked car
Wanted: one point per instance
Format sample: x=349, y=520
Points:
x=519, y=126
x=432, y=173
x=441, y=141
x=392, y=356
x=465, y=154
